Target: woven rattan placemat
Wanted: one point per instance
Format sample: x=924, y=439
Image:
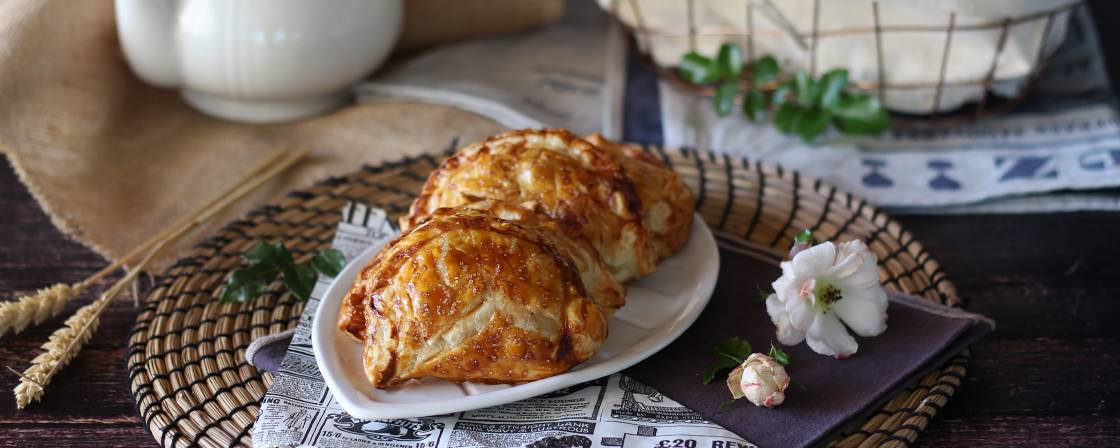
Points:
x=186, y=362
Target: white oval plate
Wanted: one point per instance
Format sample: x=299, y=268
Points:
x=659, y=307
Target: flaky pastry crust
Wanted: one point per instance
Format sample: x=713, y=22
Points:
x=667, y=203
x=467, y=296
x=554, y=172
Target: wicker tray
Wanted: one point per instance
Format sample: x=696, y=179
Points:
x=186, y=362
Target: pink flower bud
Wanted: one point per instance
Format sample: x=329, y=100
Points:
x=761, y=379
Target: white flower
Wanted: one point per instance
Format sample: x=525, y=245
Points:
x=761, y=379
x=822, y=286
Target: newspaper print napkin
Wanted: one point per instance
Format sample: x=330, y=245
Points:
x=615, y=411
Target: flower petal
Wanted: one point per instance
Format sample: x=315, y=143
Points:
x=733, y=380
x=814, y=261
x=801, y=312
x=778, y=315
x=784, y=286
x=844, y=267
x=828, y=336
x=866, y=274
x=862, y=313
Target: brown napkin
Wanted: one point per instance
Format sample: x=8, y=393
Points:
x=828, y=394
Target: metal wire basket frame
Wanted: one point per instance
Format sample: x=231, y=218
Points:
x=879, y=87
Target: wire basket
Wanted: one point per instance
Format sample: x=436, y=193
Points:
x=931, y=101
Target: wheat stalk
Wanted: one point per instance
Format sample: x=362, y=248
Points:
x=17, y=315
x=65, y=343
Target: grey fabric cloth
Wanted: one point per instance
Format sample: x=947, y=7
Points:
x=828, y=395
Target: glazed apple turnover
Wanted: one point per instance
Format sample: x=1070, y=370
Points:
x=582, y=187
x=487, y=293
x=667, y=203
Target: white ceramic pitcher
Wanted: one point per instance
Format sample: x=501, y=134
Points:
x=258, y=60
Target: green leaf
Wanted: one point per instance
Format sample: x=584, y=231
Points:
x=832, y=86
x=724, y=101
x=264, y=252
x=805, y=88
x=734, y=348
x=730, y=353
x=248, y=283
x=300, y=280
x=788, y=117
x=698, y=69
x=723, y=406
x=805, y=236
x=860, y=115
x=778, y=354
x=762, y=294
x=781, y=95
x=754, y=105
x=721, y=366
x=764, y=70
x=729, y=61
x=329, y=262
x=812, y=124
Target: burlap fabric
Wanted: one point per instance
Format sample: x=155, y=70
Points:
x=113, y=161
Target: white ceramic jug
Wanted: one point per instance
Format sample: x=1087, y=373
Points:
x=258, y=60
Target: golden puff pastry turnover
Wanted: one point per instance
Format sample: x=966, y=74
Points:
x=554, y=172
x=467, y=296
x=667, y=203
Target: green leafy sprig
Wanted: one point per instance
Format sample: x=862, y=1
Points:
x=264, y=261
x=805, y=237
x=802, y=105
x=734, y=351
x=729, y=354
x=779, y=355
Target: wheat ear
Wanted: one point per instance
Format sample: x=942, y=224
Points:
x=65, y=343
x=17, y=315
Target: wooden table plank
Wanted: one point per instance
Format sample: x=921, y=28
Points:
x=89, y=400
x=1034, y=431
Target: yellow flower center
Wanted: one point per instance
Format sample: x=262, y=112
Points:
x=826, y=294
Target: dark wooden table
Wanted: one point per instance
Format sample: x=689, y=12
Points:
x=1049, y=376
